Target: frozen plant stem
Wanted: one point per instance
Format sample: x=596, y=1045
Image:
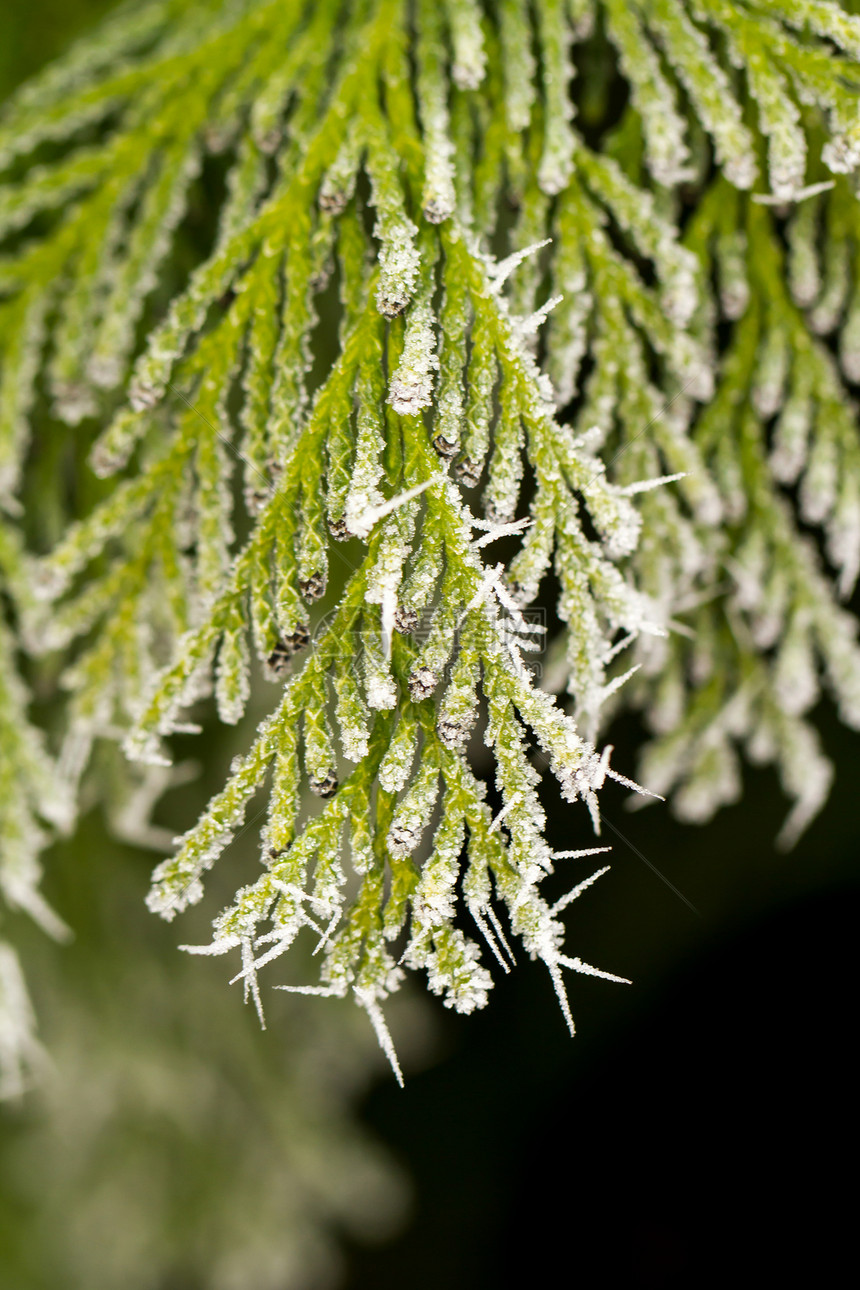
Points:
x=648, y=416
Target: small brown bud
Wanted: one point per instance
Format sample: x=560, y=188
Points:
x=325, y=787
x=446, y=448
x=405, y=619
x=422, y=683
x=468, y=472
x=338, y=530
x=286, y=647
x=313, y=588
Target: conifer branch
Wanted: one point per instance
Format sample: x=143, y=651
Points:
x=568, y=361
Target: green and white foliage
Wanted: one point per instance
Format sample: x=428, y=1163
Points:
x=34, y=802
x=630, y=337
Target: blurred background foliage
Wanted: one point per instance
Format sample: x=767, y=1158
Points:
x=692, y=1129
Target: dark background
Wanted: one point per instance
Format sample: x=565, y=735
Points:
x=700, y=1127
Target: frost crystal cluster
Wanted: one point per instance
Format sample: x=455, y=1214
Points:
x=570, y=280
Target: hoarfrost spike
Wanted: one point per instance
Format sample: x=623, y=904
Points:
x=499, y=272
x=383, y=1034
x=367, y=519
x=578, y=889
x=478, y=916
x=577, y=965
x=497, y=927
x=799, y=195
x=645, y=485
x=561, y=995
x=529, y=326
x=581, y=854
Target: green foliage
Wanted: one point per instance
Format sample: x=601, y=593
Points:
x=588, y=266
x=168, y=1141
